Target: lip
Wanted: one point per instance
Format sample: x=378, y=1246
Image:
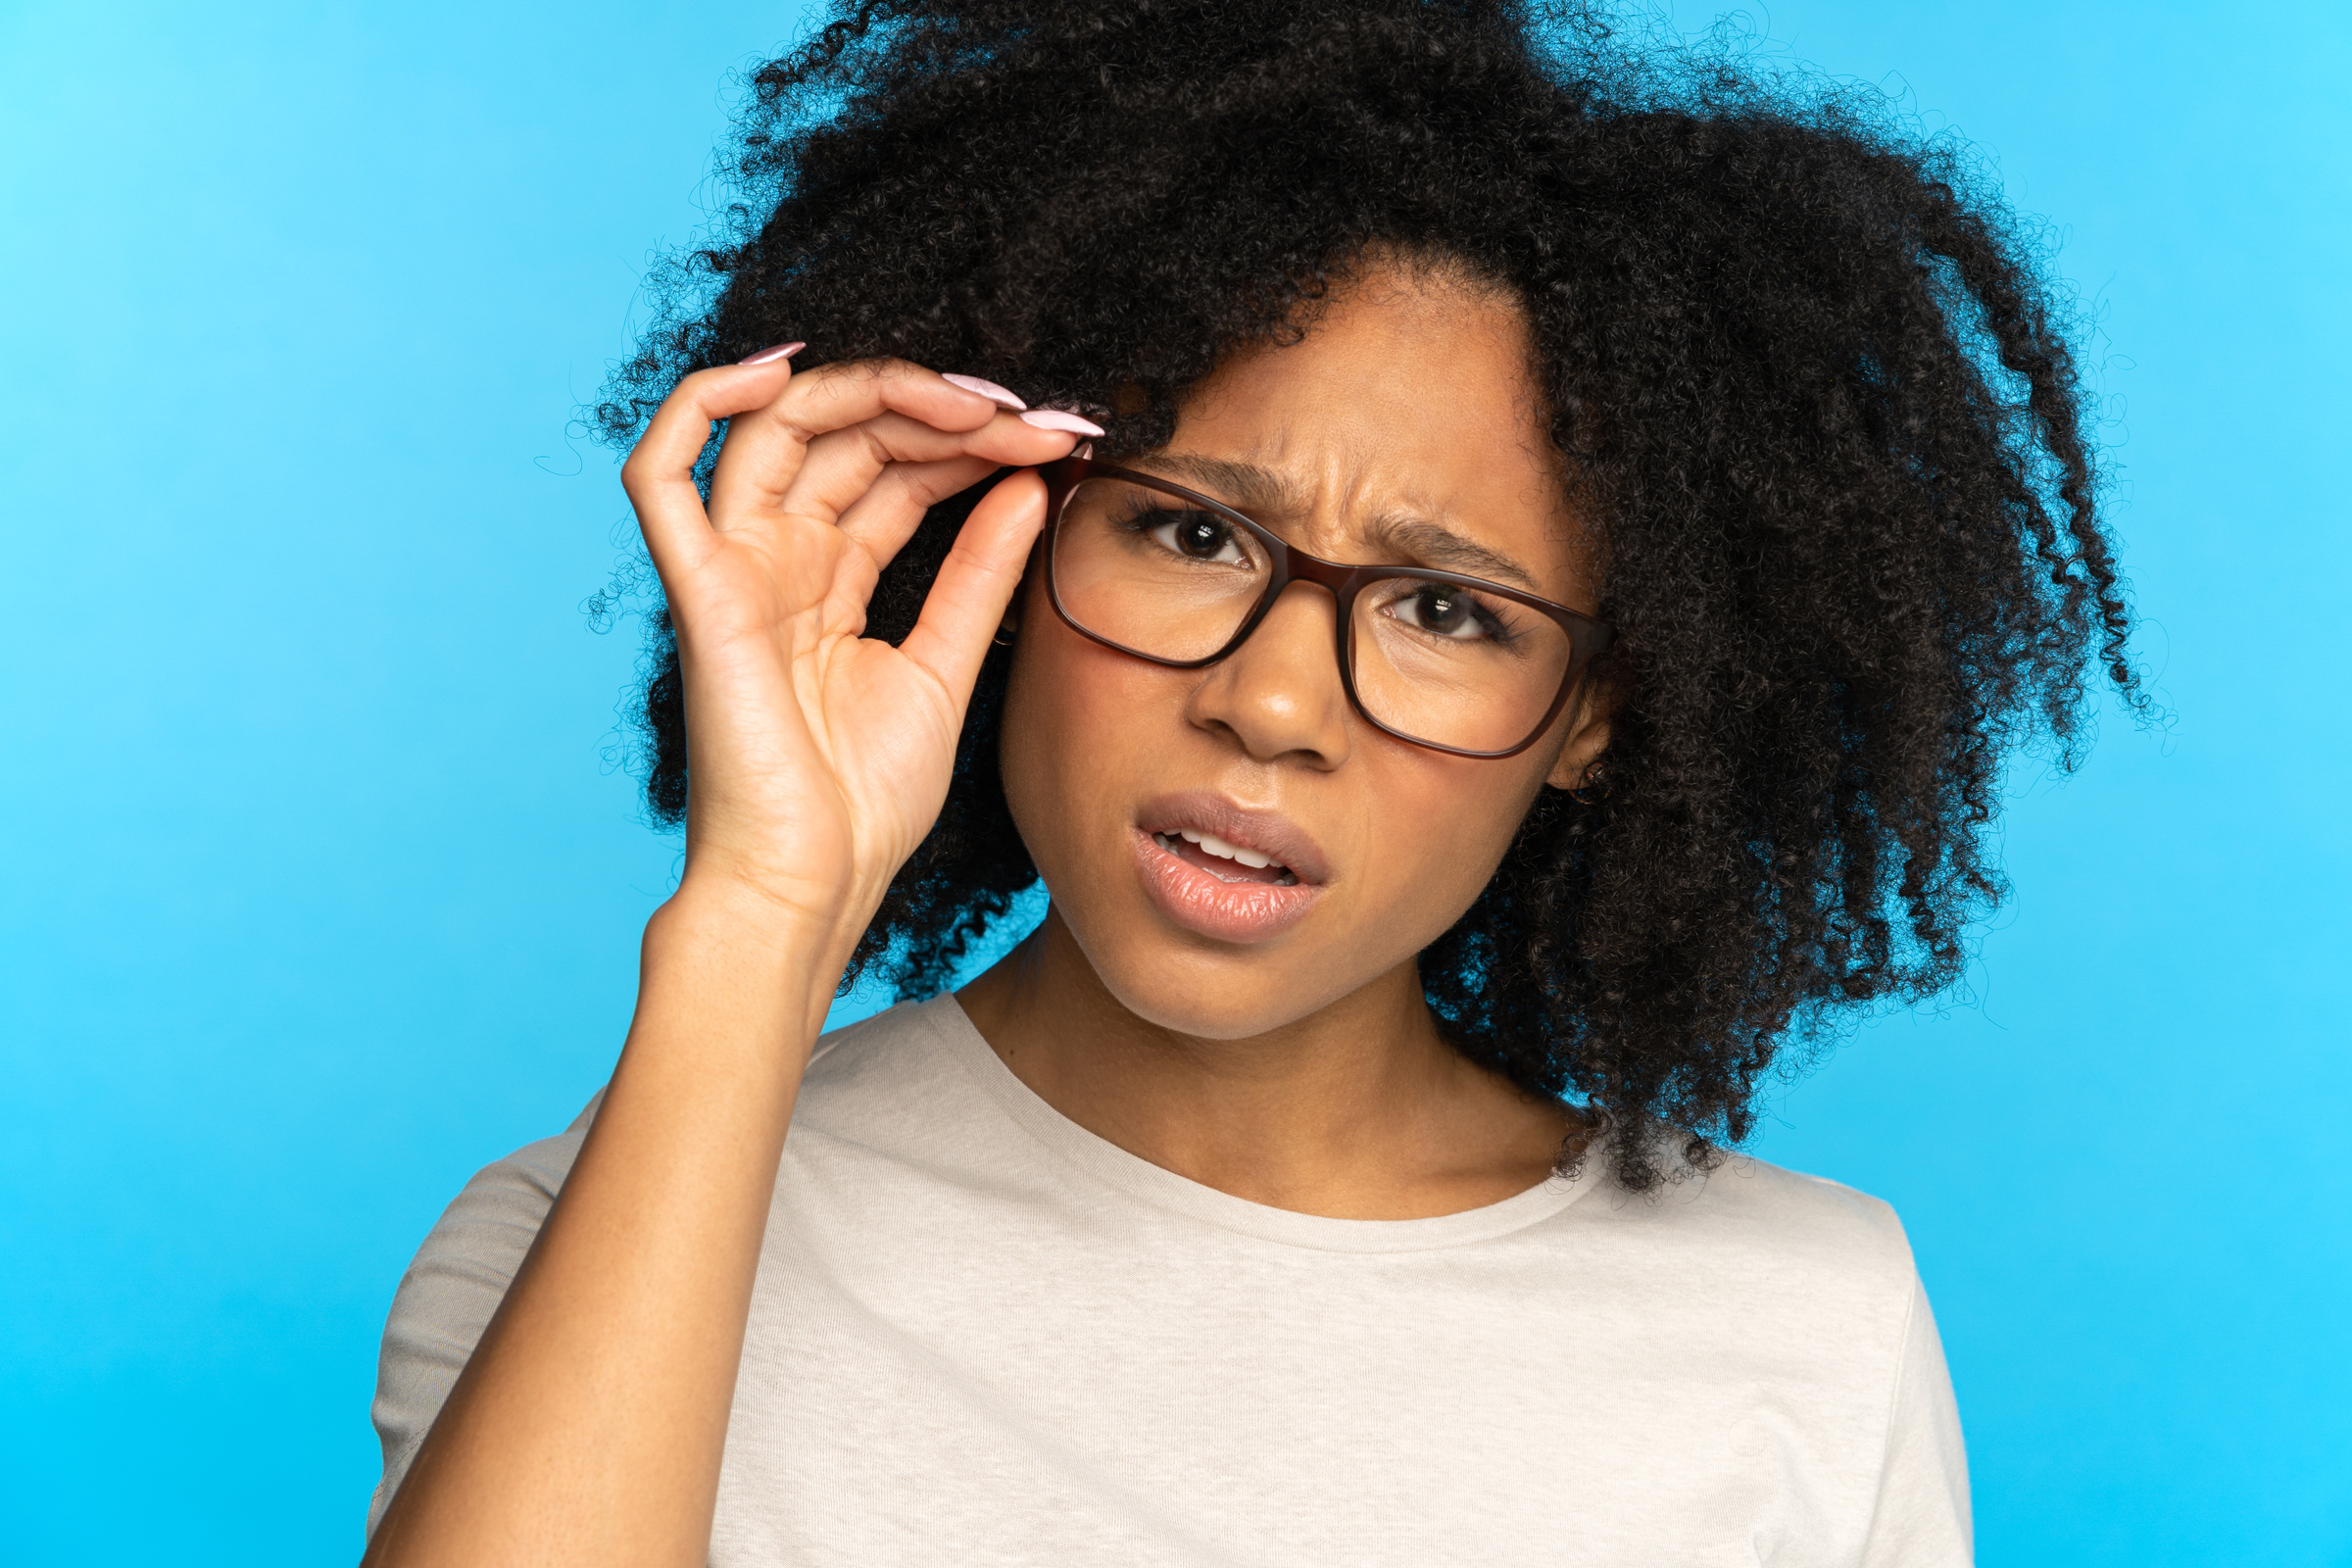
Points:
x=1204, y=903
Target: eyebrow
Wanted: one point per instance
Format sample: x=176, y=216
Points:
x=1248, y=488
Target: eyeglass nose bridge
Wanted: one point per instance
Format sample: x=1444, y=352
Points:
x=1336, y=579
x=1342, y=582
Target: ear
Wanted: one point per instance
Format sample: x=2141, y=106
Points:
x=1587, y=738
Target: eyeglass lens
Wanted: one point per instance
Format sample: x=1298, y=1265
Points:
x=1433, y=661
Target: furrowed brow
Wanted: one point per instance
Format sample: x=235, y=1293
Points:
x=1431, y=544
x=1243, y=486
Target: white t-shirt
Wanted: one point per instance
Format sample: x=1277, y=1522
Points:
x=982, y=1336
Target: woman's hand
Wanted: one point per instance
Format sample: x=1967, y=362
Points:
x=819, y=757
x=589, y=1424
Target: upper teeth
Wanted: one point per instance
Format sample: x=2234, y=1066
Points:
x=1224, y=850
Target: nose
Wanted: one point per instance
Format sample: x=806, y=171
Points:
x=1279, y=693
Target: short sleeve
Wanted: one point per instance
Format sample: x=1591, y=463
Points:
x=451, y=1289
x=1921, y=1517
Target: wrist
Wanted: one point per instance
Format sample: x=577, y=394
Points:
x=750, y=911
x=791, y=948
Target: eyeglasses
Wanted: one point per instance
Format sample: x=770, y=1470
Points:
x=1455, y=663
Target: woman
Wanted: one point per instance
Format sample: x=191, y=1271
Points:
x=1491, y=579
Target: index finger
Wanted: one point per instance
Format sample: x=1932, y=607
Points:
x=766, y=446
x=659, y=474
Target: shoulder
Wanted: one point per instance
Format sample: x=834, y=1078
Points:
x=483, y=1234
x=454, y=1286
x=1749, y=1230
x=881, y=1044
x=896, y=1077
x=1809, y=1214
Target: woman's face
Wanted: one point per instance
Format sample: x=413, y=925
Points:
x=1407, y=408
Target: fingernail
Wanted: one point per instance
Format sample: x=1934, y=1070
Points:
x=1058, y=420
x=783, y=351
x=995, y=394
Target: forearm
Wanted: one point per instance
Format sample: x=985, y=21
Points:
x=589, y=1424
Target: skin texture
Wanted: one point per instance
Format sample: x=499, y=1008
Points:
x=589, y=1425
x=1302, y=1070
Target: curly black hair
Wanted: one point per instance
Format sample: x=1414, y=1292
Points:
x=1814, y=389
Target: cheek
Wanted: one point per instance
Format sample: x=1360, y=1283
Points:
x=1079, y=722
x=1435, y=830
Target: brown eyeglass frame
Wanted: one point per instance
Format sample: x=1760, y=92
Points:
x=1587, y=637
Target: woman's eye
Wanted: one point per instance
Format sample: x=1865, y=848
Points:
x=1444, y=611
x=1196, y=536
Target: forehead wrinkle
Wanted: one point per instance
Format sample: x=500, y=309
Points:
x=1254, y=489
x=1432, y=544
x=1245, y=486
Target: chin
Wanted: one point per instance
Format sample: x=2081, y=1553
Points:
x=1183, y=1011
x=1230, y=995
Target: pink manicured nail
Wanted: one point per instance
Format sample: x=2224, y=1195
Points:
x=1057, y=419
x=995, y=394
x=783, y=351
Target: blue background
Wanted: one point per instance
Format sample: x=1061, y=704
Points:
x=321, y=888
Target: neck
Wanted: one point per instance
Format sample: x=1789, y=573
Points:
x=1359, y=1110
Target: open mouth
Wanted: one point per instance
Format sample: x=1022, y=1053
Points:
x=1226, y=872
x=1228, y=863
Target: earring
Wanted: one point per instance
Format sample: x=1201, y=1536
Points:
x=1004, y=635
x=1592, y=788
